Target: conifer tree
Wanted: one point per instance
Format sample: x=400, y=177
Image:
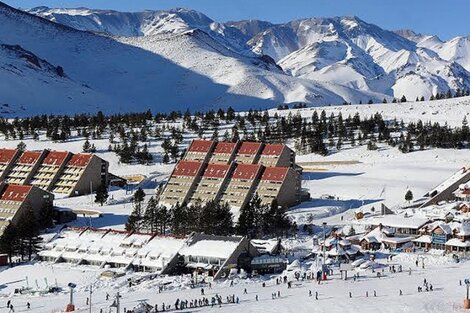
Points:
x=101, y=194
x=9, y=241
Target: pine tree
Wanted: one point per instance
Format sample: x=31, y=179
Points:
x=21, y=146
x=403, y=99
x=101, y=194
x=409, y=195
x=28, y=233
x=86, y=146
x=9, y=241
x=151, y=218
x=135, y=220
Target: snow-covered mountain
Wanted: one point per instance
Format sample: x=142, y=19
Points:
x=345, y=51
x=185, y=69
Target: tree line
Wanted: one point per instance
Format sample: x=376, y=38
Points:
x=212, y=217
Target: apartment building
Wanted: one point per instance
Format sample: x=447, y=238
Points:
x=277, y=155
x=49, y=169
x=249, y=152
x=199, y=150
x=83, y=173
x=57, y=171
x=15, y=201
x=182, y=182
x=224, y=152
x=25, y=166
x=7, y=157
x=241, y=186
x=281, y=183
x=233, y=172
x=211, y=183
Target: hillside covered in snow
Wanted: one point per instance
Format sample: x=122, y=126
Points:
x=179, y=70
x=345, y=51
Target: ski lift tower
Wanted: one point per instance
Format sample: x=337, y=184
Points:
x=466, y=302
x=71, y=307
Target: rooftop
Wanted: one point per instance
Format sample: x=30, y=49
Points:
x=80, y=160
x=250, y=148
x=225, y=147
x=246, y=171
x=15, y=192
x=216, y=170
x=29, y=157
x=273, y=149
x=275, y=173
x=187, y=168
x=200, y=146
x=398, y=221
x=55, y=158
x=6, y=155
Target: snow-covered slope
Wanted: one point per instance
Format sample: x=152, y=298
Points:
x=133, y=24
x=168, y=71
x=42, y=86
x=342, y=50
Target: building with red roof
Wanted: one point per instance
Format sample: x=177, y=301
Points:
x=209, y=187
x=83, y=173
x=249, y=152
x=18, y=200
x=277, y=154
x=281, y=183
x=25, y=166
x=50, y=168
x=7, y=158
x=199, y=150
x=182, y=182
x=232, y=173
x=224, y=152
x=241, y=186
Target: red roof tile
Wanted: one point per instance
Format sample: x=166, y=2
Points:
x=29, y=157
x=273, y=149
x=80, y=160
x=6, y=155
x=200, y=146
x=246, y=171
x=275, y=174
x=225, y=147
x=250, y=148
x=216, y=170
x=55, y=158
x=187, y=168
x=466, y=192
x=15, y=192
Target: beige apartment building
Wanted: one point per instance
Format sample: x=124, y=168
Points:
x=80, y=177
x=232, y=173
x=211, y=184
x=224, y=152
x=57, y=171
x=242, y=184
x=182, y=182
x=199, y=150
x=15, y=200
x=281, y=183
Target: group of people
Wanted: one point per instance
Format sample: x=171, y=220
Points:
x=426, y=286
x=11, y=308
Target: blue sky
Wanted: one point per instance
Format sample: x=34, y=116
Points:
x=441, y=17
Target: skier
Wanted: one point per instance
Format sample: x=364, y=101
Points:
x=245, y=291
x=256, y=297
x=202, y=291
x=28, y=305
